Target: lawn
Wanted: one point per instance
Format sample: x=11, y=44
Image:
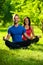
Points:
x=31, y=56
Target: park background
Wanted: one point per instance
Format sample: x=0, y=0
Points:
x=33, y=9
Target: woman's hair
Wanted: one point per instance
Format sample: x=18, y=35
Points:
x=28, y=21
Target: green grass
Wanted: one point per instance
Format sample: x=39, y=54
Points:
x=31, y=56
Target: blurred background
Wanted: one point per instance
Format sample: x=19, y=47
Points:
x=33, y=9
x=30, y=8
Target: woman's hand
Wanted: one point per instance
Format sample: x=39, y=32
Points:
x=39, y=36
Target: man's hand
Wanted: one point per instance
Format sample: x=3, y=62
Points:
x=7, y=37
x=4, y=38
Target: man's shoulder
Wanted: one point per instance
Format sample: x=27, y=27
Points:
x=10, y=27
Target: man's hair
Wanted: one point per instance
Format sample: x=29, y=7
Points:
x=14, y=16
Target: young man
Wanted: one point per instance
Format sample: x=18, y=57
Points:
x=16, y=31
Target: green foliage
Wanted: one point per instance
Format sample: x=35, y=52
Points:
x=30, y=8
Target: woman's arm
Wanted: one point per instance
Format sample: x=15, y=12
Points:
x=32, y=31
x=28, y=37
x=34, y=34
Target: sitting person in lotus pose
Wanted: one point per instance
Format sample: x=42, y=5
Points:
x=16, y=31
x=29, y=30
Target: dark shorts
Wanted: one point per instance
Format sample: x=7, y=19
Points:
x=21, y=44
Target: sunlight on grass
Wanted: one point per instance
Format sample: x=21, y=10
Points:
x=31, y=56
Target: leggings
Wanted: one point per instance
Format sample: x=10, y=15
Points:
x=21, y=44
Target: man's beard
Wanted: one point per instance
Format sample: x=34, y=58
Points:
x=15, y=22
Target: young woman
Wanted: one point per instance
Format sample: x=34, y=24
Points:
x=29, y=31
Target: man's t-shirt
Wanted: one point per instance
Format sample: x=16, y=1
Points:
x=16, y=33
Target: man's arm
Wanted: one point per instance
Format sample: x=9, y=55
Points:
x=32, y=31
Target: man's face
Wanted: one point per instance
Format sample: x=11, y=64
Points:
x=16, y=19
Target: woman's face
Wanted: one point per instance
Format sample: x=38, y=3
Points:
x=26, y=21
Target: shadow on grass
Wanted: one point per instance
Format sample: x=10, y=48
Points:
x=3, y=30
x=39, y=44
x=37, y=47
x=7, y=58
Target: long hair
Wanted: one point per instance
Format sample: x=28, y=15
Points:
x=28, y=21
